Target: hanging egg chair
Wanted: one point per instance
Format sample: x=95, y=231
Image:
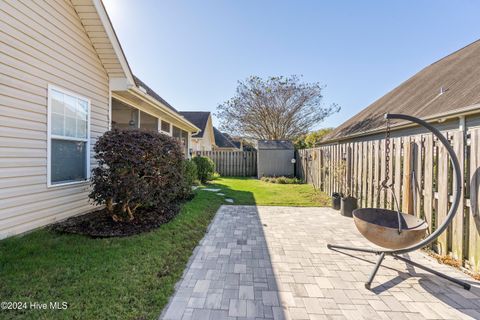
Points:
x=399, y=232
x=380, y=226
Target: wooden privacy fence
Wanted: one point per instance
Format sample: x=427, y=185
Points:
x=422, y=177
x=233, y=163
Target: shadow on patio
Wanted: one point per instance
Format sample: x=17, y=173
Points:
x=230, y=274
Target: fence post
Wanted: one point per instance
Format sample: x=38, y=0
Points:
x=428, y=181
x=474, y=218
x=407, y=203
x=457, y=223
x=442, y=197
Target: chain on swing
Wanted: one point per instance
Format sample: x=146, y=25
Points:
x=385, y=183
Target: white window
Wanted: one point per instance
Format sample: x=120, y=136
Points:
x=68, y=158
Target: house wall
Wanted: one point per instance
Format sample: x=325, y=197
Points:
x=207, y=142
x=42, y=43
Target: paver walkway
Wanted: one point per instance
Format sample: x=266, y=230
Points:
x=272, y=262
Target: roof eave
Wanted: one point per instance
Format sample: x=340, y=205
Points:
x=440, y=117
x=112, y=36
x=149, y=99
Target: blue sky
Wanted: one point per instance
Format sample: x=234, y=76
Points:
x=194, y=52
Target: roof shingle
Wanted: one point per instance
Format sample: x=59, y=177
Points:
x=198, y=118
x=275, y=145
x=221, y=140
x=152, y=93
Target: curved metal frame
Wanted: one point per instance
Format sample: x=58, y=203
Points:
x=458, y=183
x=439, y=230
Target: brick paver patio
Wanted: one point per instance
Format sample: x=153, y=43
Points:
x=272, y=262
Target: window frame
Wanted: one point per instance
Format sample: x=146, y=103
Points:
x=148, y=114
x=51, y=136
x=170, y=126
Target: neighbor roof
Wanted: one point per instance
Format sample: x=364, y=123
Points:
x=237, y=144
x=198, y=118
x=274, y=145
x=446, y=86
x=221, y=140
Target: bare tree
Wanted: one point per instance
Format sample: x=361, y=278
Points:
x=275, y=108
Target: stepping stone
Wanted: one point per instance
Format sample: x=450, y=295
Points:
x=211, y=190
x=220, y=194
x=229, y=200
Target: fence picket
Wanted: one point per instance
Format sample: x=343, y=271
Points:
x=474, y=216
x=233, y=163
x=417, y=175
x=442, y=196
x=376, y=173
x=371, y=174
x=398, y=171
x=365, y=174
x=382, y=172
x=361, y=156
x=458, y=221
x=407, y=194
x=428, y=182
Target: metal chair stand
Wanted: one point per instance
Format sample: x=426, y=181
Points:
x=381, y=255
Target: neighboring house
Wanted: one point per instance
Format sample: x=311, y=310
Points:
x=64, y=81
x=223, y=142
x=203, y=140
x=446, y=92
x=209, y=138
x=237, y=142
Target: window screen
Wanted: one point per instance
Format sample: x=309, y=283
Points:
x=148, y=122
x=165, y=126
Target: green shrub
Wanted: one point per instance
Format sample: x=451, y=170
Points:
x=137, y=169
x=205, y=168
x=282, y=180
x=191, y=173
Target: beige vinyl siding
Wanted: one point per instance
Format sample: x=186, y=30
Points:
x=42, y=43
x=206, y=142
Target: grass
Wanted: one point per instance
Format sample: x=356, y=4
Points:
x=270, y=194
x=122, y=278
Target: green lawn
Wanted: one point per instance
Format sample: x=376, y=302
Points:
x=269, y=194
x=122, y=278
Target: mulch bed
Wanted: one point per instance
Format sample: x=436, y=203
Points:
x=99, y=224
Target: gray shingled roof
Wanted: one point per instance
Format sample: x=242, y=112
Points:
x=221, y=140
x=152, y=93
x=198, y=118
x=459, y=76
x=274, y=145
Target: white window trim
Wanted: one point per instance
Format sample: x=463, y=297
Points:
x=51, y=136
x=168, y=133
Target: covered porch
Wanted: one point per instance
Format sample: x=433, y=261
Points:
x=129, y=110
